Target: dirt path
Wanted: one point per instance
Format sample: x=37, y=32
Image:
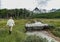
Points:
x=43, y=34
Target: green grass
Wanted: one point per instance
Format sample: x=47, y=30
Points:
x=56, y=24
x=18, y=34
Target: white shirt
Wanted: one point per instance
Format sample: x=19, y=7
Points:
x=10, y=22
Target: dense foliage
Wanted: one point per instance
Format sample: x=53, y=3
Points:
x=24, y=13
x=16, y=13
x=47, y=15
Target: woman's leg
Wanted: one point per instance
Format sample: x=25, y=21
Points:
x=10, y=29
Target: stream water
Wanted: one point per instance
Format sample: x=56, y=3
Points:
x=43, y=34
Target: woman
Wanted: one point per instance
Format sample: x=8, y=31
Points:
x=10, y=24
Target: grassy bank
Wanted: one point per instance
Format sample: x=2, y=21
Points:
x=18, y=34
x=56, y=24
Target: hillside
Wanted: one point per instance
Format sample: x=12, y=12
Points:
x=47, y=15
